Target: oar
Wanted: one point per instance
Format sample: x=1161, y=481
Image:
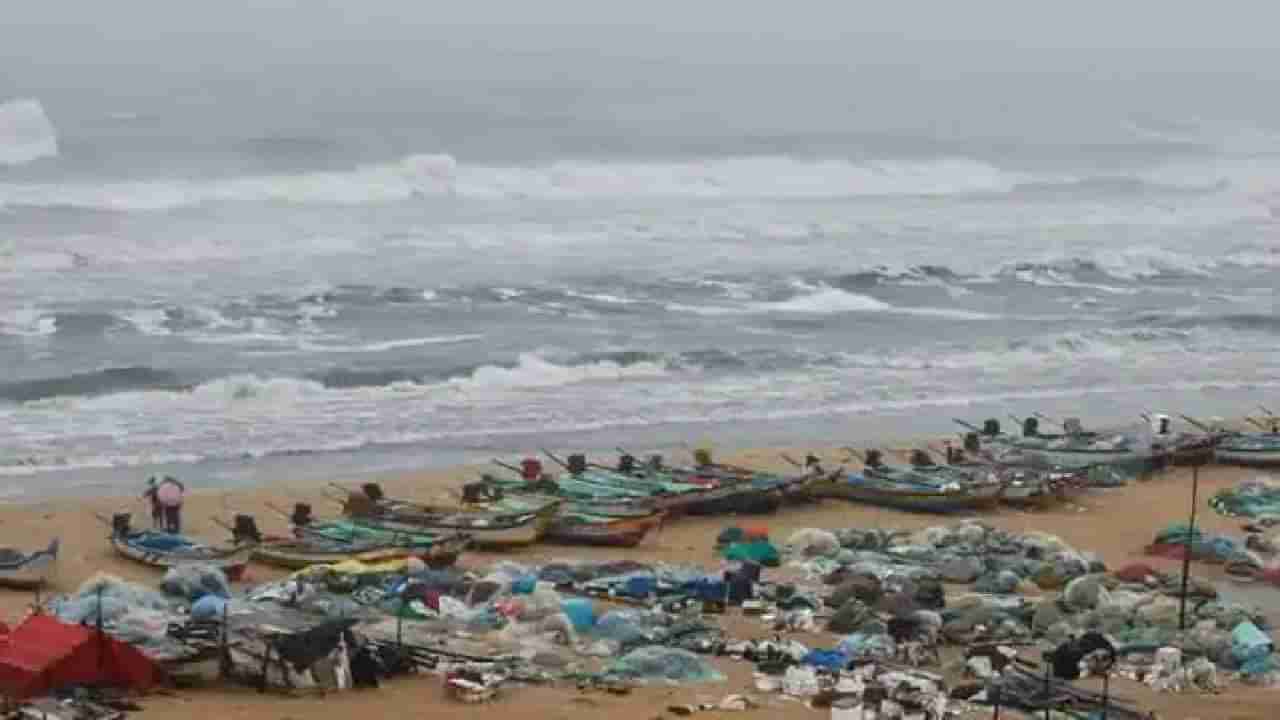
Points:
x=1046, y=418
x=555, y=459
x=966, y=425
x=1199, y=425
x=791, y=460
x=1145, y=416
x=508, y=466
x=1257, y=424
x=278, y=511
x=1265, y=410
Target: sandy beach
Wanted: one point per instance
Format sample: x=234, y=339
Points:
x=1115, y=523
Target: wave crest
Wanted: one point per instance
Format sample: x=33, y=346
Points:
x=26, y=135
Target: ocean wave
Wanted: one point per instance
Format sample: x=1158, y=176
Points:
x=1243, y=322
x=825, y=300
x=389, y=345
x=101, y=382
x=28, y=322
x=418, y=176
x=26, y=135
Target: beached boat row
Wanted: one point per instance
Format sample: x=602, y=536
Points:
x=623, y=503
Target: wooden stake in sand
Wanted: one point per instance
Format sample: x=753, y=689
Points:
x=1186, y=550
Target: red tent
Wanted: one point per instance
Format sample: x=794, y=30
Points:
x=44, y=653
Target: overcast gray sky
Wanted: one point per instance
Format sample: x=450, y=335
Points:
x=906, y=63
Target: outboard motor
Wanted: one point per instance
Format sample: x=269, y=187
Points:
x=702, y=457
x=875, y=459
x=1162, y=426
x=972, y=443
x=626, y=463
x=577, y=464
x=530, y=469
x=1030, y=427
x=246, y=529
x=373, y=491
x=301, y=516
x=920, y=458
x=120, y=524
x=991, y=427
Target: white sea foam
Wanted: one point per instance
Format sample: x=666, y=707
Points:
x=418, y=176
x=26, y=134
x=533, y=371
x=27, y=321
x=387, y=345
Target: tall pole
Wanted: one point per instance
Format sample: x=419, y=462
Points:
x=1186, y=555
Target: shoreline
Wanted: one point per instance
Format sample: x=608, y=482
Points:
x=924, y=419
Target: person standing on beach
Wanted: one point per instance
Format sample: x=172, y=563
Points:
x=152, y=496
x=169, y=495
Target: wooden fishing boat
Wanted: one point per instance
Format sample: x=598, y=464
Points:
x=1252, y=449
x=575, y=523
x=683, y=494
x=164, y=550
x=296, y=554
x=904, y=496
x=487, y=529
x=19, y=569
x=1074, y=449
x=584, y=529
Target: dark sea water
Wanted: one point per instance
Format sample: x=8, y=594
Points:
x=242, y=304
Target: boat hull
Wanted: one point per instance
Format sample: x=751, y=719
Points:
x=1252, y=458
x=624, y=532
x=529, y=530
x=910, y=499
x=232, y=561
x=33, y=571
x=293, y=555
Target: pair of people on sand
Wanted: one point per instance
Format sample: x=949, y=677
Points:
x=165, y=497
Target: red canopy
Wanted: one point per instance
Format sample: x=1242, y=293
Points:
x=44, y=654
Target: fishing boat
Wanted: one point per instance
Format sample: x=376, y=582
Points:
x=298, y=553
x=165, y=550
x=486, y=529
x=682, y=494
x=1253, y=449
x=574, y=523
x=1076, y=448
x=295, y=553
x=918, y=497
x=19, y=569
x=1026, y=485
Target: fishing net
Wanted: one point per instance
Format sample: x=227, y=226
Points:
x=1252, y=499
x=663, y=664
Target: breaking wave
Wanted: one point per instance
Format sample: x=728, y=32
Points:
x=26, y=135
x=419, y=176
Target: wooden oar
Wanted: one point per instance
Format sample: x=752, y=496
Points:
x=1199, y=425
x=555, y=459
x=967, y=426
x=508, y=466
x=1257, y=424
x=792, y=461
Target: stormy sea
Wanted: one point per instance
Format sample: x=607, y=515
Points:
x=237, y=302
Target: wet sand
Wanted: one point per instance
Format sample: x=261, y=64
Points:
x=1115, y=523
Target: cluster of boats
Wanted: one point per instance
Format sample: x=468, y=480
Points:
x=620, y=505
